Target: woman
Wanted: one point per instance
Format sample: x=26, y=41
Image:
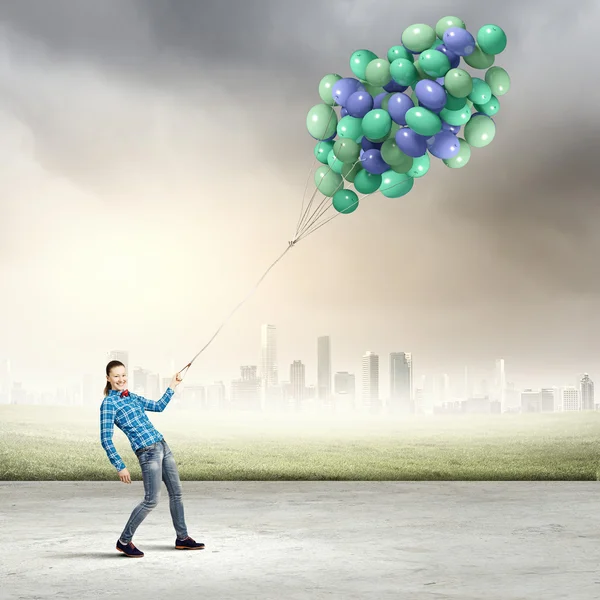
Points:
x=127, y=411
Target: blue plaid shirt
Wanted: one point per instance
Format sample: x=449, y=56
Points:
x=129, y=416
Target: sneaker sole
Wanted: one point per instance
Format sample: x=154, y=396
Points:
x=188, y=548
x=130, y=555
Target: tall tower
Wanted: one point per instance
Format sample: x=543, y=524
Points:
x=268, y=360
x=501, y=383
x=298, y=382
x=401, y=382
x=121, y=355
x=586, y=386
x=370, y=380
x=324, y=368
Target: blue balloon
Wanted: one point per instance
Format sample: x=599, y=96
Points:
x=398, y=105
x=359, y=104
x=411, y=143
x=394, y=86
x=343, y=112
x=459, y=41
x=344, y=88
x=452, y=128
x=367, y=144
x=443, y=145
x=452, y=57
x=373, y=163
x=431, y=95
x=379, y=99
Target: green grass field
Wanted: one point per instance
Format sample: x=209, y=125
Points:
x=56, y=443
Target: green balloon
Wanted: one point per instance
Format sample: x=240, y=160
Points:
x=453, y=103
x=404, y=72
x=328, y=182
x=420, y=166
x=420, y=73
x=326, y=87
x=458, y=83
x=334, y=163
x=498, y=80
x=378, y=72
x=359, y=61
x=322, y=150
x=456, y=117
x=386, y=101
x=347, y=150
x=376, y=124
x=480, y=131
x=489, y=108
x=395, y=185
x=396, y=52
x=321, y=121
x=434, y=63
x=423, y=121
x=478, y=59
x=419, y=37
x=374, y=90
x=345, y=201
x=481, y=93
x=491, y=39
x=462, y=158
x=391, y=153
x=447, y=22
x=435, y=44
x=349, y=171
x=414, y=98
x=405, y=166
x=366, y=183
x=349, y=127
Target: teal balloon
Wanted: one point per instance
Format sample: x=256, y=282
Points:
x=498, y=80
x=359, y=61
x=420, y=166
x=458, y=83
x=345, y=201
x=349, y=127
x=447, y=22
x=434, y=63
x=378, y=72
x=321, y=121
x=334, y=163
x=366, y=183
x=420, y=73
x=489, y=108
x=347, y=150
x=418, y=37
x=462, y=158
x=392, y=155
x=322, y=150
x=350, y=170
x=376, y=124
x=481, y=93
x=395, y=185
x=480, y=131
x=404, y=72
x=396, y=52
x=326, y=87
x=456, y=117
x=423, y=121
x=328, y=182
x=453, y=103
x=491, y=39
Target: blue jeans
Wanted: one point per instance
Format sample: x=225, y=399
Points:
x=157, y=462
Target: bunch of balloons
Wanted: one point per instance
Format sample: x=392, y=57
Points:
x=385, y=133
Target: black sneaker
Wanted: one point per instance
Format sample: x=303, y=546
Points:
x=129, y=550
x=188, y=544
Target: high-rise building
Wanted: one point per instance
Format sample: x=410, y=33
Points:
x=570, y=399
x=586, y=386
x=345, y=390
x=298, y=382
x=549, y=399
x=370, y=380
x=153, y=386
x=245, y=392
x=401, y=382
x=120, y=355
x=268, y=361
x=531, y=401
x=324, y=369
x=140, y=382
x=500, y=381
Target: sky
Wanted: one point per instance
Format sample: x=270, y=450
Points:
x=154, y=157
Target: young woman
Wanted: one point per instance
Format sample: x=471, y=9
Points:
x=127, y=411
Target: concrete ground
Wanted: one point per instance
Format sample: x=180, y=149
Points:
x=297, y=540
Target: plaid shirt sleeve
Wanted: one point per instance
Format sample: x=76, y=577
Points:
x=158, y=405
x=107, y=420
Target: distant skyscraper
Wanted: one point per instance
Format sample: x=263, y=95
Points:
x=139, y=382
x=587, y=393
x=370, y=380
x=570, y=399
x=121, y=355
x=500, y=383
x=324, y=369
x=153, y=386
x=531, y=401
x=549, y=400
x=298, y=381
x=245, y=392
x=401, y=382
x=268, y=362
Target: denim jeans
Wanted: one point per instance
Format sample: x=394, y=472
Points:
x=157, y=462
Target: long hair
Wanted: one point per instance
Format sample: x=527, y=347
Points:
x=109, y=367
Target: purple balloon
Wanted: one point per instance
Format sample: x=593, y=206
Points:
x=344, y=88
x=373, y=163
x=398, y=105
x=452, y=57
x=451, y=128
x=367, y=144
x=343, y=112
x=359, y=104
x=459, y=41
x=394, y=86
x=444, y=145
x=379, y=99
x=431, y=95
x=411, y=143
x=441, y=80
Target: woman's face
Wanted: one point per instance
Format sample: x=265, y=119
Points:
x=118, y=378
